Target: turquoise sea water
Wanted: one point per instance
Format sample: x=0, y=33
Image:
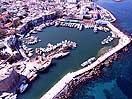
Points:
x=114, y=82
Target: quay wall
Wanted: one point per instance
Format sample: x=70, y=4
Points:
x=30, y=23
x=112, y=16
x=69, y=82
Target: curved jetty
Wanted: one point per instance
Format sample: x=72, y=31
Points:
x=45, y=55
x=60, y=89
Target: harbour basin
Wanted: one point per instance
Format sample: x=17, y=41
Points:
x=114, y=82
x=88, y=45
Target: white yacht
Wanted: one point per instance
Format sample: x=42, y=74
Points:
x=62, y=54
x=23, y=87
x=88, y=62
x=45, y=64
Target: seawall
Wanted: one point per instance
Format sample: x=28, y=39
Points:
x=68, y=83
x=30, y=23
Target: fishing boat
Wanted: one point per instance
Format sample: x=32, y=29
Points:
x=23, y=87
x=61, y=54
x=81, y=27
x=110, y=39
x=102, y=42
x=107, y=40
x=32, y=77
x=44, y=64
x=95, y=29
x=30, y=54
x=88, y=62
x=3, y=95
x=6, y=95
x=34, y=32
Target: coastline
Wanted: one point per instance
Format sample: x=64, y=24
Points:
x=75, y=78
x=96, y=73
x=67, y=87
x=109, y=84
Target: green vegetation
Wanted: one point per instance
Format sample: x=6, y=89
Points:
x=115, y=42
x=103, y=50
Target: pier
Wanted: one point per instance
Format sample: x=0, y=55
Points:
x=61, y=89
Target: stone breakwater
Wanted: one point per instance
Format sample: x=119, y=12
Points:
x=82, y=78
x=69, y=82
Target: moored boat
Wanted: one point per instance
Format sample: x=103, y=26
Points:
x=44, y=65
x=88, y=62
x=23, y=87
x=61, y=54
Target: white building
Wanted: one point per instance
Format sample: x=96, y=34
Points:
x=71, y=1
x=60, y=1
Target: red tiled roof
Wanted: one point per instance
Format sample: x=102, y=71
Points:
x=7, y=25
x=4, y=16
x=11, y=32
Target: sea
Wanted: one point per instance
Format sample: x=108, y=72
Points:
x=115, y=82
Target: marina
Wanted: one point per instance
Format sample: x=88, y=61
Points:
x=59, y=69
x=29, y=50
x=31, y=40
x=74, y=76
x=107, y=40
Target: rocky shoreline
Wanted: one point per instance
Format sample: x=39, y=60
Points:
x=89, y=75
